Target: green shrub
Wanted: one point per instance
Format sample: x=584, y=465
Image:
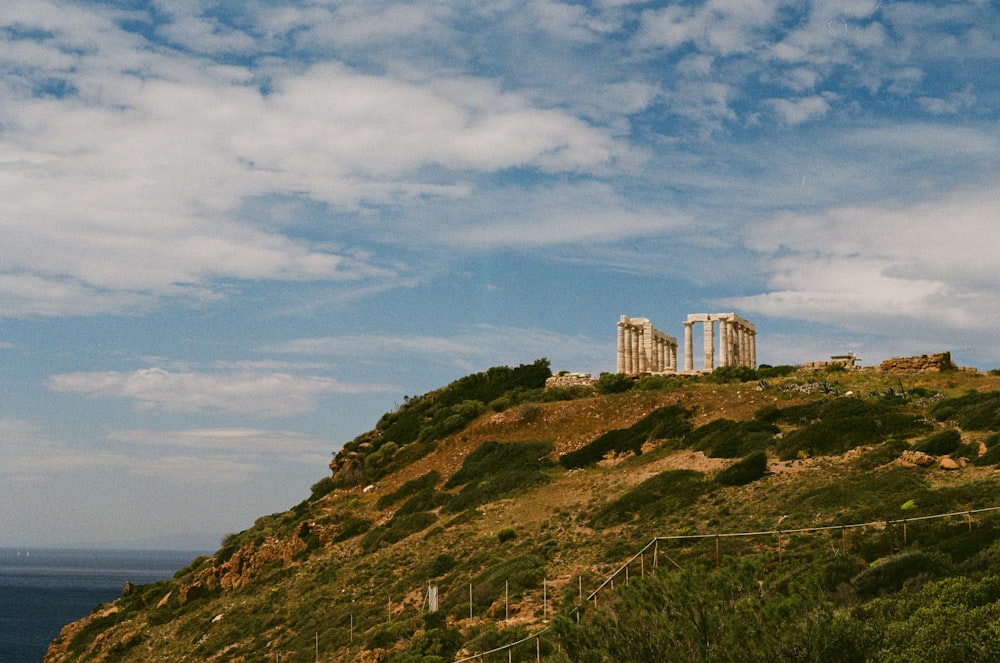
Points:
x=518, y=574
x=657, y=383
x=663, y=493
x=351, y=526
x=410, y=488
x=321, y=488
x=506, y=534
x=436, y=566
x=665, y=423
x=830, y=427
x=727, y=374
x=494, y=457
x=498, y=469
x=744, y=471
x=973, y=411
x=766, y=371
x=890, y=574
x=613, y=383
x=940, y=443
x=427, y=499
x=724, y=438
x=992, y=455
x=397, y=529
x=881, y=454
x=415, y=426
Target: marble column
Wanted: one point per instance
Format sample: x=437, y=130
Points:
x=709, y=345
x=629, y=340
x=620, y=361
x=688, y=346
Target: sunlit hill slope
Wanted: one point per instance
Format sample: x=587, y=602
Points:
x=802, y=516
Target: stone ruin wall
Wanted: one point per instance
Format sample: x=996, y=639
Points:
x=566, y=380
x=936, y=363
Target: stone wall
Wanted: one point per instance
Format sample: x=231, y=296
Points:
x=936, y=363
x=565, y=380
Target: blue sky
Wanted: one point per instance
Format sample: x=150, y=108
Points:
x=236, y=233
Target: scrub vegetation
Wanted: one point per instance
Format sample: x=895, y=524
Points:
x=518, y=505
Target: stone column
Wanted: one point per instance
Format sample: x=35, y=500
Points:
x=753, y=349
x=688, y=346
x=620, y=363
x=725, y=338
x=740, y=345
x=647, y=348
x=629, y=338
x=709, y=345
x=744, y=346
x=636, y=349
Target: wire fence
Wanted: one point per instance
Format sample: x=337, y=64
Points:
x=653, y=545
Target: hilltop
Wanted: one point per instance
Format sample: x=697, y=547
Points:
x=516, y=502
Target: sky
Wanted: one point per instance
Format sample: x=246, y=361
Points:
x=235, y=233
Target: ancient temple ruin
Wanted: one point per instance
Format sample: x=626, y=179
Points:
x=644, y=349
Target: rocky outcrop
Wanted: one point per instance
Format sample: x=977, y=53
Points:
x=937, y=363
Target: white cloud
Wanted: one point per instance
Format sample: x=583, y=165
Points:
x=128, y=189
x=797, y=111
x=930, y=263
x=723, y=27
x=262, y=394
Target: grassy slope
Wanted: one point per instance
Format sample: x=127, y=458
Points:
x=287, y=580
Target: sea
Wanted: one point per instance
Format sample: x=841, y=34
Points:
x=42, y=590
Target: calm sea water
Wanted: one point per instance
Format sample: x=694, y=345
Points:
x=43, y=590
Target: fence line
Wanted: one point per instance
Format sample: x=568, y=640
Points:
x=880, y=524
x=501, y=648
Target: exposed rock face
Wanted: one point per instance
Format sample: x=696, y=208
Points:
x=247, y=562
x=946, y=463
x=348, y=468
x=936, y=363
x=910, y=458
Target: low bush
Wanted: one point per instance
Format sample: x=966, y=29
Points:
x=397, y=529
x=613, y=383
x=766, y=371
x=940, y=443
x=973, y=411
x=889, y=575
x=744, y=471
x=992, y=455
x=724, y=438
x=494, y=457
x=349, y=527
x=881, y=454
x=427, y=499
x=410, y=488
x=663, y=493
x=665, y=423
x=321, y=488
x=498, y=469
x=727, y=374
x=835, y=426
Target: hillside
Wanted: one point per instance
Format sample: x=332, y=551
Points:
x=516, y=502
